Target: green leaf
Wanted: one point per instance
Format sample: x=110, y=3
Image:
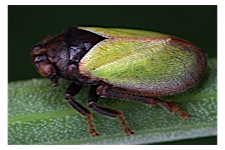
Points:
x=38, y=114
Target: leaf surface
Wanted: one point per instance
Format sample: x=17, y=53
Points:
x=38, y=114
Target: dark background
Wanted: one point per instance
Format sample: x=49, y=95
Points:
x=27, y=25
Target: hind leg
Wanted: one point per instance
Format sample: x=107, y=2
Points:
x=115, y=93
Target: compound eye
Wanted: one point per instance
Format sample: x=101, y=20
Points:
x=47, y=70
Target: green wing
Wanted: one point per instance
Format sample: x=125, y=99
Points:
x=119, y=32
x=141, y=63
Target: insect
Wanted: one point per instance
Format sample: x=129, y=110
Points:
x=119, y=63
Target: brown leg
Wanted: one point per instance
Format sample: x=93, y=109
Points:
x=114, y=93
x=92, y=102
x=70, y=92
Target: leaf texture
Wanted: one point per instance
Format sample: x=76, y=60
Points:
x=39, y=115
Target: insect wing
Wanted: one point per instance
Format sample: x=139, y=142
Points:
x=119, y=32
x=152, y=65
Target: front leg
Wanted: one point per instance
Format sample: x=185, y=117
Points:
x=72, y=90
x=54, y=81
x=92, y=102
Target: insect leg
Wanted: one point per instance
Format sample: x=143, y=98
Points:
x=92, y=102
x=72, y=90
x=115, y=93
